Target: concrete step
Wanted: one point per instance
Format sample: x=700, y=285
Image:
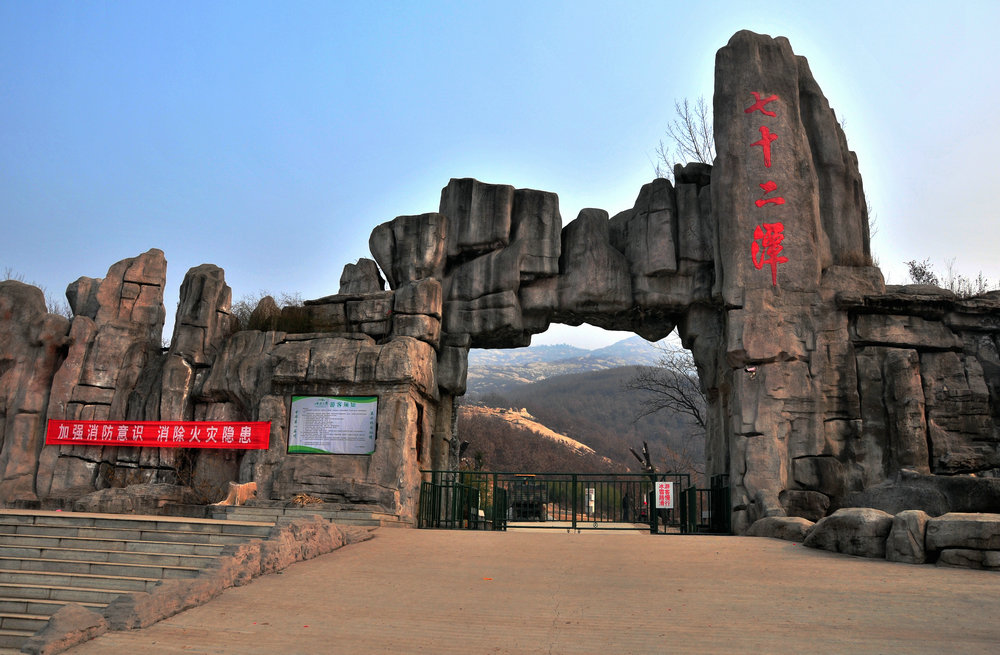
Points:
x=48, y=559
x=80, y=520
x=14, y=639
x=110, y=543
x=116, y=569
x=58, y=593
x=38, y=605
x=130, y=534
x=150, y=558
x=19, y=621
x=218, y=527
x=88, y=580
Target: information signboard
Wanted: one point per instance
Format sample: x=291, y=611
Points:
x=664, y=495
x=333, y=425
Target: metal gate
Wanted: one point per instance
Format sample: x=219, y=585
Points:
x=480, y=500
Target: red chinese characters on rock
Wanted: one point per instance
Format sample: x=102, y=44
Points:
x=759, y=105
x=248, y=435
x=766, y=137
x=767, y=237
x=766, y=248
x=768, y=187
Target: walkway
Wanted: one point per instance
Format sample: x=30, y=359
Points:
x=411, y=591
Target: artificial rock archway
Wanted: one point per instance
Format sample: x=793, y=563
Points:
x=821, y=382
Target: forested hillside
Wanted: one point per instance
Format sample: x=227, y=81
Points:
x=593, y=408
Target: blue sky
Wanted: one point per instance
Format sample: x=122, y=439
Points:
x=269, y=138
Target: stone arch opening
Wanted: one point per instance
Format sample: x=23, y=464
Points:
x=578, y=404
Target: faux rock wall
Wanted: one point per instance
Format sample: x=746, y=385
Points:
x=824, y=386
x=107, y=363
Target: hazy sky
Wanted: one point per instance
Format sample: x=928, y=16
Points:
x=269, y=138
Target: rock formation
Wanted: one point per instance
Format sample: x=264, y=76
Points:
x=824, y=385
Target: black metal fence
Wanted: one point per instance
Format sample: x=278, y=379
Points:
x=479, y=500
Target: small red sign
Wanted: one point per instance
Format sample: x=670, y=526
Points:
x=249, y=435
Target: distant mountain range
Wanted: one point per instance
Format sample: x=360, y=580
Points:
x=496, y=370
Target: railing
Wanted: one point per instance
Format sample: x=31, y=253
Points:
x=481, y=500
x=707, y=511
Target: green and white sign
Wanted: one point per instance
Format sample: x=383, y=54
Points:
x=333, y=425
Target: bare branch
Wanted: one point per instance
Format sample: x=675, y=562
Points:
x=690, y=137
x=671, y=385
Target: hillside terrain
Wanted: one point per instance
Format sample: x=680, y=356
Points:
x=590, y=406
x=512, y=440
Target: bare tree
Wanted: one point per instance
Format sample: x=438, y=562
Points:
x=672, y=386
x=58, y=306
x=690, y=137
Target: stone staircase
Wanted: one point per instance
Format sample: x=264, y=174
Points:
x=49, y=559
x=341, y=514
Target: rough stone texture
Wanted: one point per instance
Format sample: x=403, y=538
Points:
x=265, y=315
x=423, y=297
x=811, y=505
x=789, y=528
x=480, y=215
x=363, y=277
x=209, y=374
x=934, y=494
x=535, y=231
x=203, y=316
x=135, y=499
x=595, y=275
x=970, y=559
x=857, y=531
x=70, y=625
x=410, y=248
x=104, y=365
x=33, y=345
x=906, y=539
x=958, y=530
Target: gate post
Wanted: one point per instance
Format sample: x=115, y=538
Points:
x=573, y=494
x=651, y=512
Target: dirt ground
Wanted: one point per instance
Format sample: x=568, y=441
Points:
x=413, y=591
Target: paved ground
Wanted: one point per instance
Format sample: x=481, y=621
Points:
x=410, y=591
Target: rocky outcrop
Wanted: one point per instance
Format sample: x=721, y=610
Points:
x=906, y=538
x=934, y=494
x=33, y=345
x=72, y=624
x=856, y=531
x=958, y=530
x=826, y=389
x=910, y=537
x=789, y=528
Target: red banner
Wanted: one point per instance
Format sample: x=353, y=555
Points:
x=249, y=435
